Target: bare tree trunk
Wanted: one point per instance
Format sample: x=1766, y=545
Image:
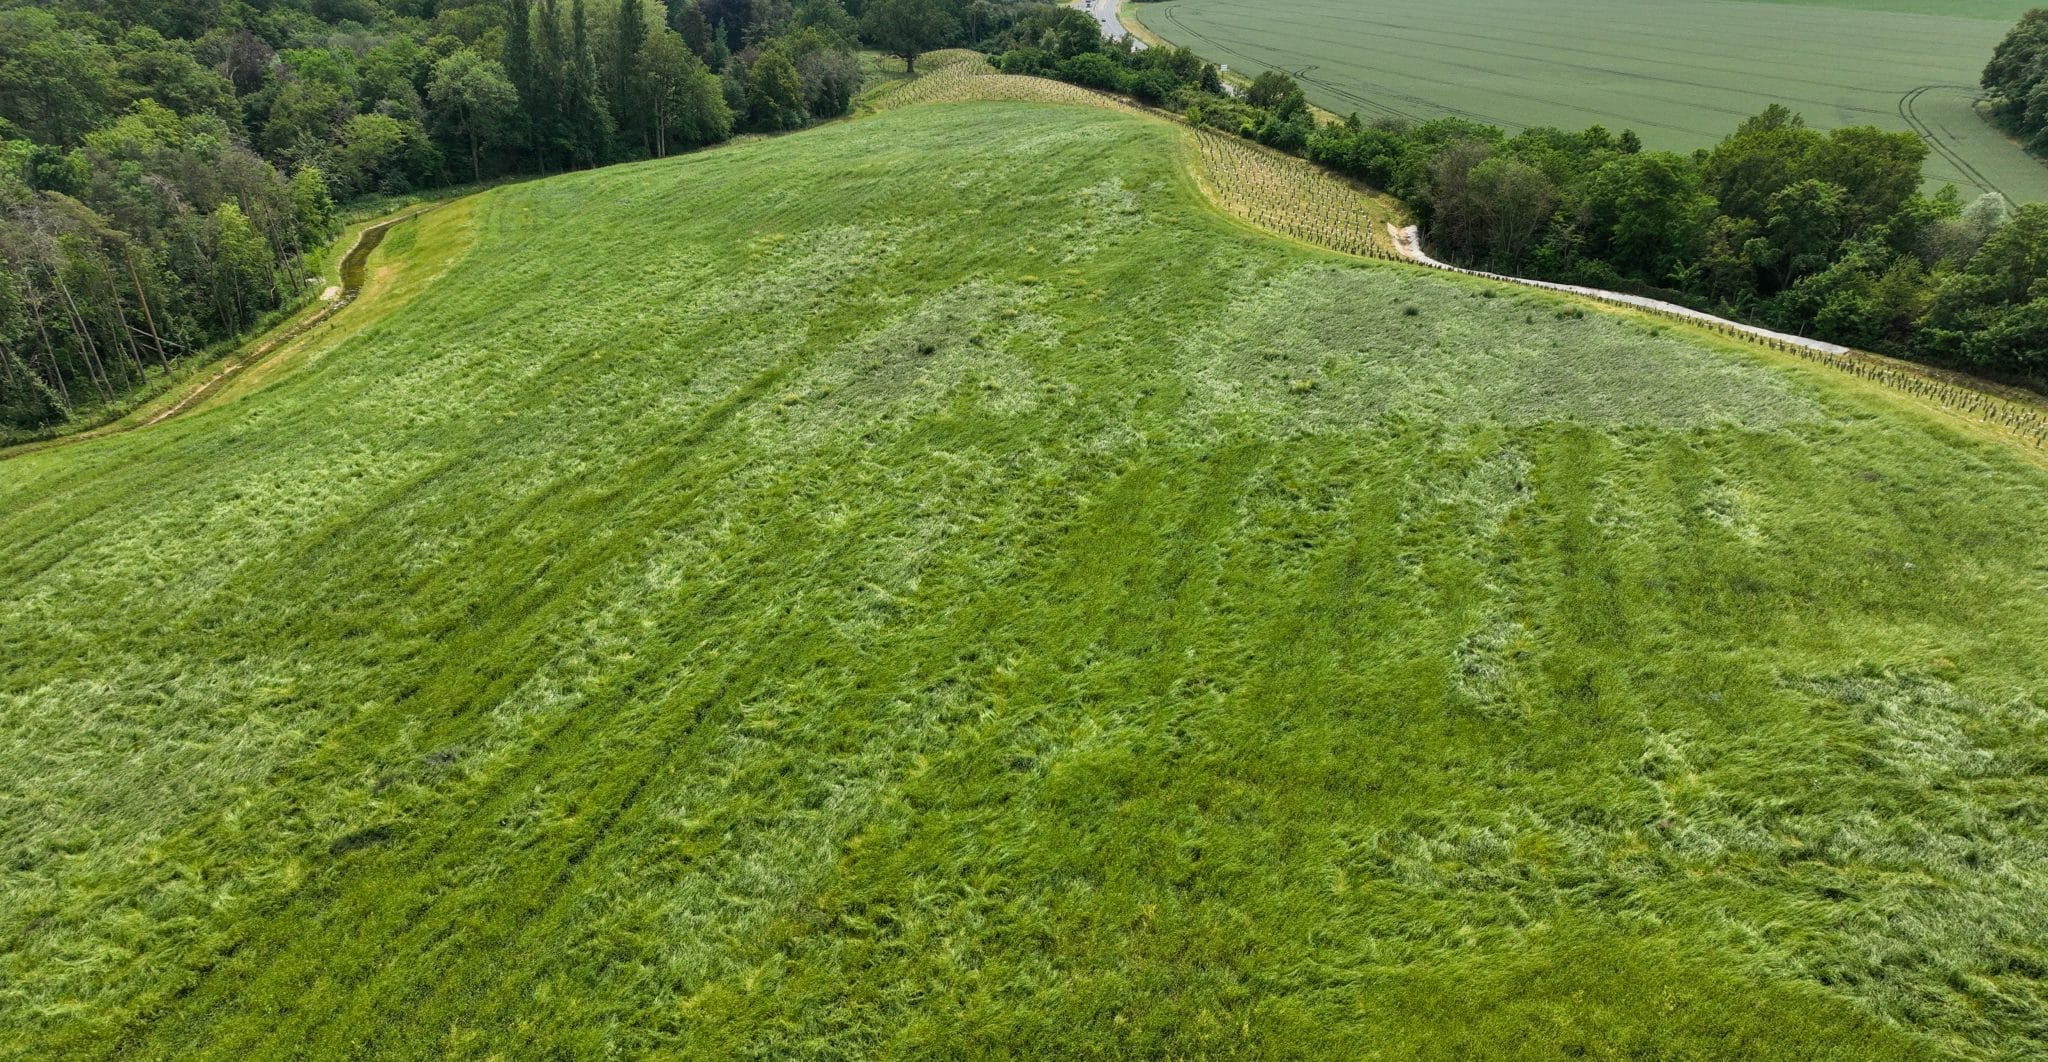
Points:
x=141, y=296
x=11, y=368
x=101, y=380
x=293, y=260
x=49, y=351
x=229, y=307
x=126, y=330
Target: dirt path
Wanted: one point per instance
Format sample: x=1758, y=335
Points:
x=354, y=270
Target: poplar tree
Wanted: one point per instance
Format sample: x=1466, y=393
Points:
x=627, y=100
x=550, y=57
x=586, y=119
x=519, y=70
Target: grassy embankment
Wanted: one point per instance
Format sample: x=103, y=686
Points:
x=933, y=584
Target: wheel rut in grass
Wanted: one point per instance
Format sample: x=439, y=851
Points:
x=448, y=702
x=1963, y=165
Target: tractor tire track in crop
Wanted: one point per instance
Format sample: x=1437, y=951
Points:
x=1211, y=44
x=1678, y=76
x=1489, y=52
x=1949, y=154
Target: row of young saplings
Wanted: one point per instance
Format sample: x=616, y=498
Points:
x=1290, y=196
x=985, y=84
x=2025, y=423
x=1294, y=197
x=932, y=86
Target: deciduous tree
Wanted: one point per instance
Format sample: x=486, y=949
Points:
x=472, y=97
x=908, y=28
x=685, y=99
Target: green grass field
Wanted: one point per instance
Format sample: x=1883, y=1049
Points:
x=1681, y=73
x=932, y=586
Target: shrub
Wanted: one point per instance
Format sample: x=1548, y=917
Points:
x=1030, y=61
x=1154, y=86
x=1094, y=70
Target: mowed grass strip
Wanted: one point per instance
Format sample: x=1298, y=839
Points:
x=1681, y=74
x=931, y=585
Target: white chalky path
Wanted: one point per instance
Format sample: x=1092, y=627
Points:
x=1408, y=242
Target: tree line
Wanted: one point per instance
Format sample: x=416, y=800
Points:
x=167, y=165
x=1827, y=234
x=2016, y=81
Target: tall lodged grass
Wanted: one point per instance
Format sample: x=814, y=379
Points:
x=933, y=586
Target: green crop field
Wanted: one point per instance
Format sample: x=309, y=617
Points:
x=931, y=586
x=1681, y=73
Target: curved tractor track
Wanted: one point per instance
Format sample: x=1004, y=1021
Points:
x=1926, y=133
x=1409, y=107
x=354, y=272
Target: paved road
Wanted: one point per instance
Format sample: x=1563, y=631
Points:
x=1105, y=13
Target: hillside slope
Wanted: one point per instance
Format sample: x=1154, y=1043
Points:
x=931, y=585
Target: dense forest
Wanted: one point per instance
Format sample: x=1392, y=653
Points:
x=2016, y=81
x=166, y=165
x=1824, y=234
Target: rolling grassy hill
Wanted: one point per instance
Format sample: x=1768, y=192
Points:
x=932, y=585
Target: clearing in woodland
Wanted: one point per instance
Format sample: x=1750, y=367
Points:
x=1681, y=73
x=934, y=585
